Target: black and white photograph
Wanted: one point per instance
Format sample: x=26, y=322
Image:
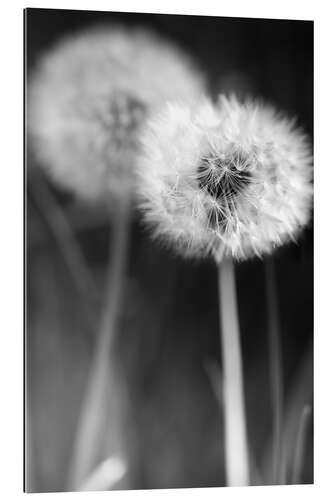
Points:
x=168, y=200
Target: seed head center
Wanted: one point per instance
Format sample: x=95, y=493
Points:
x=224, y=178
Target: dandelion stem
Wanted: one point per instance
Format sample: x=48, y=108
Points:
x=276, y=375
x=105, y=475
x=102, y=391
x=215, y=378
x=235, y=432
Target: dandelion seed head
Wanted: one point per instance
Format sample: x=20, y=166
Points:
x=231, y=180
x=88, y=98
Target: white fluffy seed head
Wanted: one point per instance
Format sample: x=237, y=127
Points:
x=88, y=98
x=232, y=180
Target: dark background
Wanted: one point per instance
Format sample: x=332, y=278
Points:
x=169, y=330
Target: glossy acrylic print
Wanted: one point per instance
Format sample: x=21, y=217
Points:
x=169, y=251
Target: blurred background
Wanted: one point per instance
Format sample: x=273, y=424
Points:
x=168, y=343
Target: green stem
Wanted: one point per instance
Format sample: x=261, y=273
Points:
x=235, y=432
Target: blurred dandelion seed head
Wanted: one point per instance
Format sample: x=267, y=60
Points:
x=88, y=98
x=232, y=180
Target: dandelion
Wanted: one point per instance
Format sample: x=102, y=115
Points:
x=88, y=99
x=231, y=181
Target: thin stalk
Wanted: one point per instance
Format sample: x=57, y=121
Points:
x=215, y=378
x=235, y=431
x=299, y=395
x=275, y=372
x=106, y=475
x=301, y=445
x=94, y=413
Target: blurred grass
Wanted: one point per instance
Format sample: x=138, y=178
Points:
x=169, y=330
